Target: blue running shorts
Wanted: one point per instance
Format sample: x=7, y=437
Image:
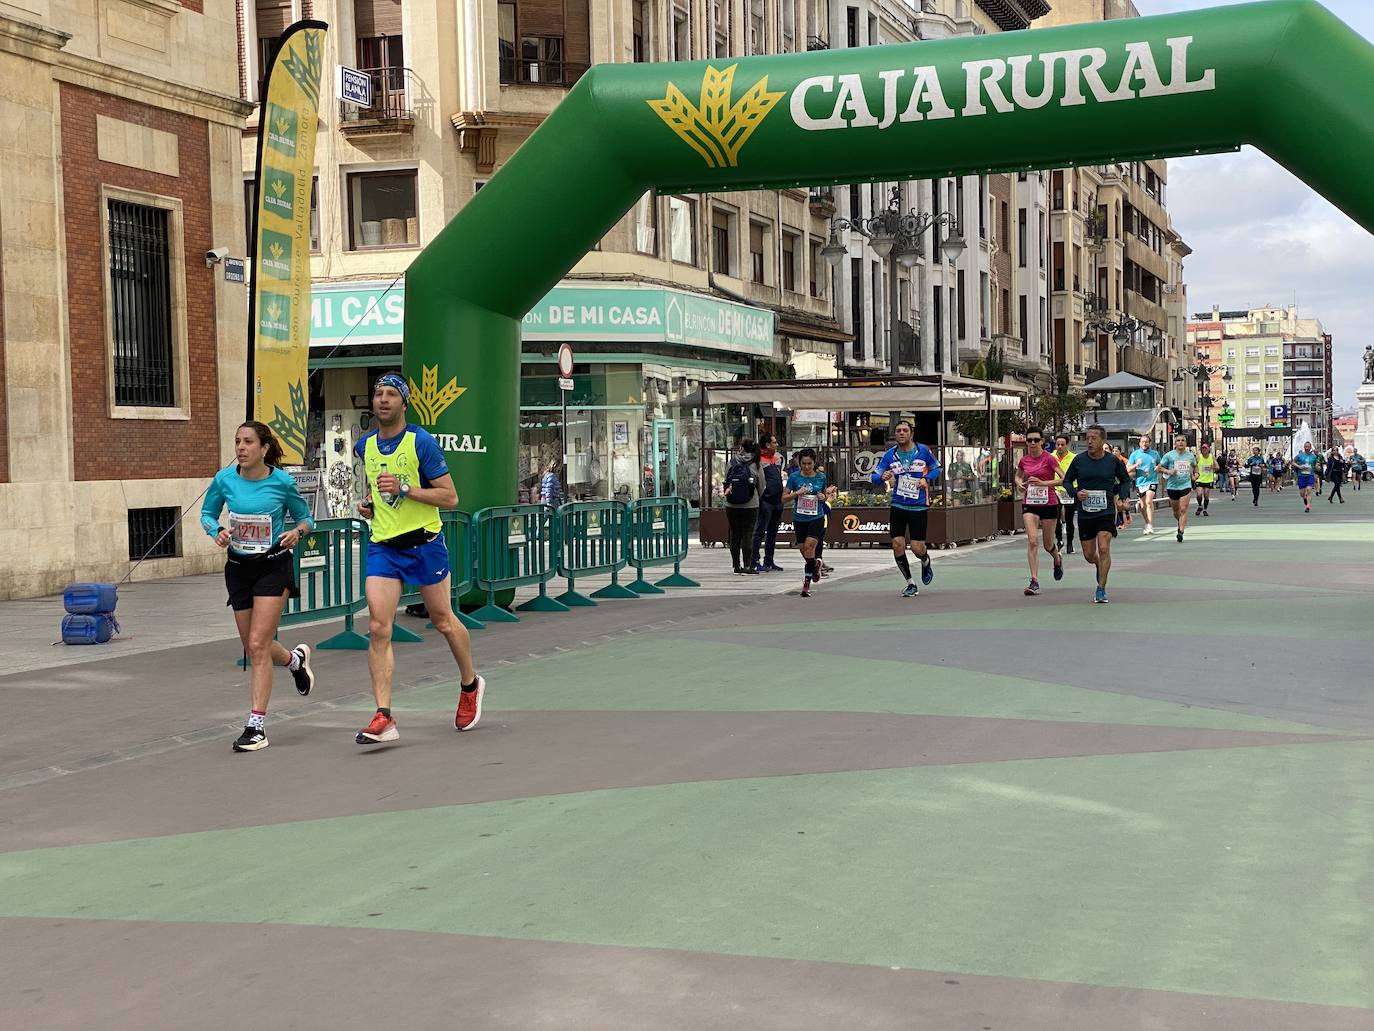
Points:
x=422, y=565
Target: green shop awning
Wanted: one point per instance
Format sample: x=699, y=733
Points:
x=615, y=312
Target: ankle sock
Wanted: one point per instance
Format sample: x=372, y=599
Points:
x=385, y=711
x=293, y=663
x=257, y=720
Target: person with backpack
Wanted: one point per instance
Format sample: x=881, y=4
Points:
x=770, y=506
x=741, y=491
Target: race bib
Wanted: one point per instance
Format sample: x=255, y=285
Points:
x=250, y=534
x=1096, y=501
x=1063, y=496
x=906, y=487
x=1257, y=470
x=1183, y=470
x=808, y=506
x=1037, y=494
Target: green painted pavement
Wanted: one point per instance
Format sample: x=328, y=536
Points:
x=1009, y=576
x=1241, y=872
x=1268, y=619
x=720, y=677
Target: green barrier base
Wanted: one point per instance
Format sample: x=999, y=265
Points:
x=575, y=599
x=491, y=613
x=346, y=641
x=542, y=603
x=615, y=590
x=677, y=580
x=642, y=586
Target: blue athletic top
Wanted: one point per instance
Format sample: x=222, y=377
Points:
x=1146, y=475
x=816, y=482
x=275, y=495
x=1255, y=465
x=1180, y=466
x=916, y=463
x=1306, y=463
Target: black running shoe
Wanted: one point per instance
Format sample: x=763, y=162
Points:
x=251, y=740
x=304, y=676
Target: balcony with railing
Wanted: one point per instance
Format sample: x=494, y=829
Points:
x=391, y=110
x=547, y=70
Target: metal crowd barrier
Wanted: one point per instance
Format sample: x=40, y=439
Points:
x=457, y=530
x=516, y=547
x=331, y=568
x=657, y=531
x=591, y=542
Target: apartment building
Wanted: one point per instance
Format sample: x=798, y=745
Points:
x=1116, y=260
x=121, y=350
x=456, y=90
x=994, y=296
x=1275, y=358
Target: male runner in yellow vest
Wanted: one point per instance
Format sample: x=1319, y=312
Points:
x=408, y=482
x=1206, y=479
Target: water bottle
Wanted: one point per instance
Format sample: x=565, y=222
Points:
x=387, y=499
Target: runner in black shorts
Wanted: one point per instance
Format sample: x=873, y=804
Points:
x=1100, y=484
x=259, y=573
x=908, y=469
x=807, y=490
x=1037, y=474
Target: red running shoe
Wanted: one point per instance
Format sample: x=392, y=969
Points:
x=470, y=705
x=382, y=728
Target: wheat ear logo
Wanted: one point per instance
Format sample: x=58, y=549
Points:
x=717, y=129
x=429, y=400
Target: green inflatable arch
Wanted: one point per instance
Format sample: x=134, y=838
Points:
x=1285, y=76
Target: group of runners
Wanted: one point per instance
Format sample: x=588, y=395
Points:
x=408, y=484
x=1063, y=495
x=1309, y=467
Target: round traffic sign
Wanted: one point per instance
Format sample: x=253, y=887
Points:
x=565, y=360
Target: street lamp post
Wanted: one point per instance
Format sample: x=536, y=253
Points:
x=1202, y=373
x=1122, y=330
x=896, y=237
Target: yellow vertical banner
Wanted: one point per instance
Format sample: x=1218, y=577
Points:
x=279, y=306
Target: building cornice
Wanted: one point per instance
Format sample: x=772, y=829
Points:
x=20, y=37
x=43, y=44
x=1011, y=15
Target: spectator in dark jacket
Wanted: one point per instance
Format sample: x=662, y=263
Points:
x=770, y=505
x=1335, y=472
x=741, y=490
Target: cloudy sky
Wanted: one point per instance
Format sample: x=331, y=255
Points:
x=1260, y=236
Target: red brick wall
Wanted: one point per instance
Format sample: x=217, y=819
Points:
x=194, y=5
x=114, y=449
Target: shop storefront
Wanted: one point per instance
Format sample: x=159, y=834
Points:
x=633, y=415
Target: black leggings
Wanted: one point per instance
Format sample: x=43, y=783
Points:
x=1064, y=527
x=1336, y=491
x=1256, y=482
x=741, y=537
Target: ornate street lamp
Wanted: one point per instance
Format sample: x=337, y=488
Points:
x=896, y=237
x=1202, y=373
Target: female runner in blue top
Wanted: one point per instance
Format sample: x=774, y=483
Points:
x=259, y=573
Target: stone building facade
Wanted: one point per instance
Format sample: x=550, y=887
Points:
x=121, y=352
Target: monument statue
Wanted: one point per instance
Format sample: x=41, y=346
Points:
x=1369, y=363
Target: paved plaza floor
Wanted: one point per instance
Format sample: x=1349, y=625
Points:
x=724, y=809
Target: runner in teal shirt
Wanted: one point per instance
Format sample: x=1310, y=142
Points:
x=1305, y=465
x=1143, y=465
x=806, y=489
x=1180, y=468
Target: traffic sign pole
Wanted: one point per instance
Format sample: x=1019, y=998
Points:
x=565, y=383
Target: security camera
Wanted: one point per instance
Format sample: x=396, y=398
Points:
x=215, y=256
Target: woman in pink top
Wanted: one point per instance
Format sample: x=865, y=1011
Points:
x=1037, y=474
